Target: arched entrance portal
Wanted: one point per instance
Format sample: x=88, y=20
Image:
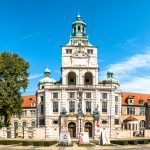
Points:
x=88, y=128
x=72, y=129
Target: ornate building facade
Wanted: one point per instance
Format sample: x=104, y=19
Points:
x=79, y=101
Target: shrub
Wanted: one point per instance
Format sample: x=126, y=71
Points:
x=38, y=143
x=26, y=143
x=143, y=141
x=133, y=142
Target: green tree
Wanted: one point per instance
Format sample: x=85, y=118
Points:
x=13, y=78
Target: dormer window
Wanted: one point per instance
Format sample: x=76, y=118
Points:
x=32, y=104
x=130, y=101
x=141, y=102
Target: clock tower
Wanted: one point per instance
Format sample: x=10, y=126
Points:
x=79, y=58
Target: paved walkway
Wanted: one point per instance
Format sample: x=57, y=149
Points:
x=76, y=147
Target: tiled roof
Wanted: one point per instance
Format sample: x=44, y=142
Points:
x=130, y=118
x=136, y=96
x=29, y=100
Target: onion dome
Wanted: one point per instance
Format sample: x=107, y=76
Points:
x=110, y=79
x=47, y=78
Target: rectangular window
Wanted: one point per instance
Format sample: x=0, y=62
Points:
x=90, y=51
x=42, y=105
x=55, y=107
x=42, y=108
x=71, y=106
x=55, y=95
x=24, y=114
x=116, y=121
x=116, y=109
x=71, y=95
x=116, y=98
x=88, y=106
x=88, y=95
x=141, y=111
x=104, y=95
x=68, y=51
x=104, y=107
x=130, y=111
x=32, y=113
x=42, y=98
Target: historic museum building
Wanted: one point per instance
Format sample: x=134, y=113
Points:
x=79, y=101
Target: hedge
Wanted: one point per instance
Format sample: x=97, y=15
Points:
x=26, y=143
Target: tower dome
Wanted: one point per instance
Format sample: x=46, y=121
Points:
x=79, y=27
x=47, y=78
x=110, y=79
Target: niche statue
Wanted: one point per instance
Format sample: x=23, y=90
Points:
x=80, y=112
x=96, y=113
x=63, y=112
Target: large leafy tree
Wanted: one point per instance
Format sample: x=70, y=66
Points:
x=13, y=79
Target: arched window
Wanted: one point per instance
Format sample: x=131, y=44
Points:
x=33, y=124
x=142, y=124
x=88, y=78
x=16, y=125
x=24, y=124
x=79, y=28
x=71, y=78
x=74, y=29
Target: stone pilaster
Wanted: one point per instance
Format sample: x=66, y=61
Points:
x=80, y=127
x=12, y=133
x=25, y=133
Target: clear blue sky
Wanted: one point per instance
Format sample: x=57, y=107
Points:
x=36, y=29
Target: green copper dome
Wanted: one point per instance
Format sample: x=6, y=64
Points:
x=79, y=27
x=47, y=78
x=110, y=79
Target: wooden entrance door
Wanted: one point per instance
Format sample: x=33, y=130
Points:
x=88, y=128
x=72, y=129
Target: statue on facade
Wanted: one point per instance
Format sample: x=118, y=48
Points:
x=96, y=113
x=80, y=112
x=63, y=112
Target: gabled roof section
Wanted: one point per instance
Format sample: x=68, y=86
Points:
x=28, y=101
x=136, y=96
x=130, y=118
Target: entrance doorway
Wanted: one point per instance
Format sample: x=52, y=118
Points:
x=72, y=129
x=88, y=128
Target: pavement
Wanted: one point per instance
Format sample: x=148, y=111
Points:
x=76, y=147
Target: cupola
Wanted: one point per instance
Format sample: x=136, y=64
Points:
x=47, y=78
x=110, y=79
x=78, y=27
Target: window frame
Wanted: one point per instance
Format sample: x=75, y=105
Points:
x=55, y=107
x=71, y=106
x=88, y=107
x=104, y=107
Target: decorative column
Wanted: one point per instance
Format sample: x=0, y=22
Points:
x=25, y=133
x=63, y=120
x=80, y=113
x=96, y=116
x=12, y=133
